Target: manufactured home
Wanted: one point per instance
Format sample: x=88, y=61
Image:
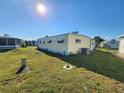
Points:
x=9, y=42
x=103, y=44
x=121, y=45
x=112, y=44
x=66, y=44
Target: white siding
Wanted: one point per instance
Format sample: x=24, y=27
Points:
x=54, y=46
x=113, y=44
x=121, y=46
x=74, y=47
x=70, y=46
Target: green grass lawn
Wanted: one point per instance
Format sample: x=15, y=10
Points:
x=100, y=72
x=108, y=50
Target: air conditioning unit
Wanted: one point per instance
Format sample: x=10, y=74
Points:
x=85, y=51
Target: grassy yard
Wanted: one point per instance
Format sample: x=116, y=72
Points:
x=100, y=72
x=108, y=50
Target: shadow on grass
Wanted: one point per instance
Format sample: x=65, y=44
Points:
x=20, y=70
x=99, y=62
x=5, y=50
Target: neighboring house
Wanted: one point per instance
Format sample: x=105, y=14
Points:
x=103, y=44
x=113, y=44
x=7, y=42
x=66, y=44
x=121, y=45
x=31, y=43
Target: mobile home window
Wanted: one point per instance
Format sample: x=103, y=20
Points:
x=18, y=41
x=43, y=42
x=11, y=41
x=50, y=41
x=40, y=42
x=3, y=41
x=61, y=41
x=78, y=41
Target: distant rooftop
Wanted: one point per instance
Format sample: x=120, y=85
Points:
x=8, y=37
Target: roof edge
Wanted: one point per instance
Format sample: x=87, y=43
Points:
x=121, y=36
x=66, y=34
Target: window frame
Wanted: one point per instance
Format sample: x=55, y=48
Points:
x=78, y=40
x=61, y=41
x=49, y=41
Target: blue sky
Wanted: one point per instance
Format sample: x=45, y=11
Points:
x=19, y=18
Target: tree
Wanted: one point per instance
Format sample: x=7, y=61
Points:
x=98, y=40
